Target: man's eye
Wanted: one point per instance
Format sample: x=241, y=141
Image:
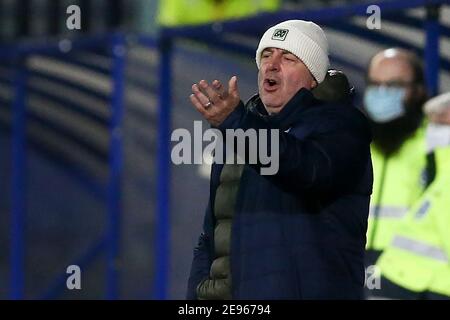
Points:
x=393, y=84
x=289, y=58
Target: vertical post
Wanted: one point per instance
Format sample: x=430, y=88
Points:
x=86, y=15
x=115, y=13
x=432, y=30
x=23, y=18
x=54, y=8
x=18, y=183
x=114, y=205
x=162, y=228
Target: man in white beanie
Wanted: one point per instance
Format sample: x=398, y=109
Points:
x=299, y=233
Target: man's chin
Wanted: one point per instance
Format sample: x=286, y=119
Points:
x=273, y=109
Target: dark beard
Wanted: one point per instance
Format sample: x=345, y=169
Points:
x=389, y=137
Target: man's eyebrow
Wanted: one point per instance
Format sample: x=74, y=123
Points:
x=272, y=49
x=287, y=52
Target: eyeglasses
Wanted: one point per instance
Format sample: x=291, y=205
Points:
x=396, y=83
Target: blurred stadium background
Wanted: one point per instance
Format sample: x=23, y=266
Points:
x=82, y=175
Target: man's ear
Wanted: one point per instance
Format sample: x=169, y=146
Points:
x=314, y=84
x=419, y=93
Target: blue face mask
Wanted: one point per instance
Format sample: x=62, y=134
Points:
x=384, y=104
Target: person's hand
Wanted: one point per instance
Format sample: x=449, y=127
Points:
x=214, y=101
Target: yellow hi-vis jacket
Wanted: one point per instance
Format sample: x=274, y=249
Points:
x=418, y=256
x=398, y=183
x=190, y=12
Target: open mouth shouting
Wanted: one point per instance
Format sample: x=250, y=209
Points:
x=271, y=84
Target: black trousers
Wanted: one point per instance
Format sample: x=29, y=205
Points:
x=371, y=257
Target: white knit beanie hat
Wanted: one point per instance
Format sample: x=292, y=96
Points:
x=305, y=39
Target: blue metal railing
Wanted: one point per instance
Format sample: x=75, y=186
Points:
x=18, y=182
x=163, y=167
x=84, y=261
x=431, y=51
x=258, y=24
x=18, y=54
x=116, y=166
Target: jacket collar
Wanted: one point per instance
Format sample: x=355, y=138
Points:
x=291, y=112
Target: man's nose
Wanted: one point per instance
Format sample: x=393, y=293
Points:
x=274, y=64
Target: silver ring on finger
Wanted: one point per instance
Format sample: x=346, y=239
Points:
x=208, y=105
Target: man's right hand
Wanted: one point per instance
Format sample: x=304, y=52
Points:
x=214, y=101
